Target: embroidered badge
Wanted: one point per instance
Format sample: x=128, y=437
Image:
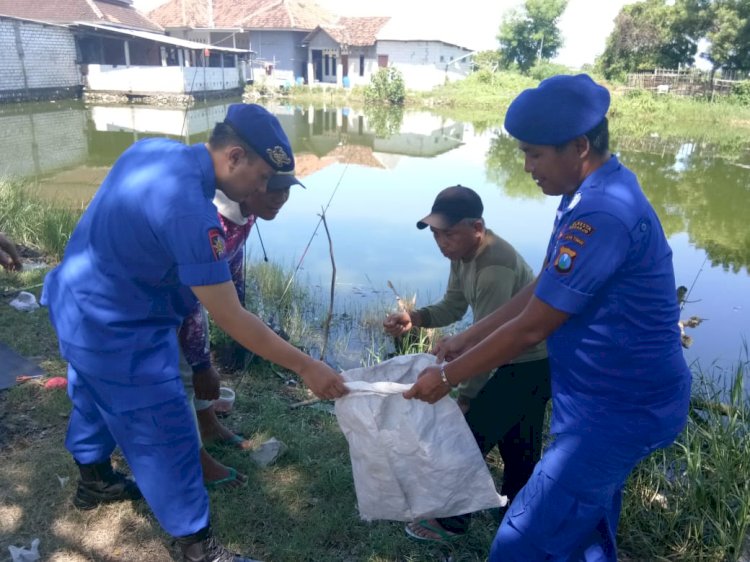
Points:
x=216, y=239
x=564, y=260
x=278, y=156
x=572, y=238
x=584, y=227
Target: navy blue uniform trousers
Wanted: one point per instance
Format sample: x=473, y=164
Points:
x=160, y=443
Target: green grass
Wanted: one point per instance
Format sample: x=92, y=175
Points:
x=30, y=221
x=691, y=501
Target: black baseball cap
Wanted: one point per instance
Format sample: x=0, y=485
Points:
x=283, y=180
x=452, y=205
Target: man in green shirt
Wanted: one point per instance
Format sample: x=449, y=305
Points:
x=505, y=407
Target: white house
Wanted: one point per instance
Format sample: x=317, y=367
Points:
x=344, y=53
x=426, y=57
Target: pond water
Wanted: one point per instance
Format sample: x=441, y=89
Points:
x=376, y=174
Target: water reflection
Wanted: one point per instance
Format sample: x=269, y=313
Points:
x=379, y=172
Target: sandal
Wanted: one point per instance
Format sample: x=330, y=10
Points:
x=233, y=476
x=430, y=526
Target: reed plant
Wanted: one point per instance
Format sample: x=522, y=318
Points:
x=32, y=221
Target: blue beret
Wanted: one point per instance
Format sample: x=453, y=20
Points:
x=560, y=109
x=260, y=128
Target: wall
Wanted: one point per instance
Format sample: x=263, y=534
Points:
x=37, y=62
x=370, y=64
x=162, y=79
x=425, y=64
x=283, y=50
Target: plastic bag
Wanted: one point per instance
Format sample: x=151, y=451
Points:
x=410, y=459
x=18, y=554
x=25, y=302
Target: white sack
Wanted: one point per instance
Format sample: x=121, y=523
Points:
x=411, y=460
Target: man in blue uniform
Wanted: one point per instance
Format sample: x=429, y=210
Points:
x=149, y=243
x=606, y=302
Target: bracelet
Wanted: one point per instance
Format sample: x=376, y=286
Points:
x=444, y=378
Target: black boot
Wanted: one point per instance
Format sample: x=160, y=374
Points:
x=204, y=547
x=100, y=484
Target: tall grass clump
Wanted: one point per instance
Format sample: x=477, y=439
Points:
x=287, y=307
x=691, y=501
x=34, y=222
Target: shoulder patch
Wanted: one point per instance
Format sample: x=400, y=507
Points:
x=564, y=260
x=218, y=246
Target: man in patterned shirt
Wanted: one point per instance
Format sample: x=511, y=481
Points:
x=237, y=219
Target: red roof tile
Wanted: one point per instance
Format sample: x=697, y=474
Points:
x=359, y=31
x=67, y=11
x=249, y=14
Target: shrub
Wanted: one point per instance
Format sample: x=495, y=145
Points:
x=386, y=86
x=741, y=92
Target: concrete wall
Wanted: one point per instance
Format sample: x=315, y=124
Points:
x=426, y=64
x=37, y=62
x=162, y=79
x=370, y=63
x=283, y=50
x=42, y=142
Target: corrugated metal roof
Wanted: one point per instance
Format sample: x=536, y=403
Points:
x=157, y=37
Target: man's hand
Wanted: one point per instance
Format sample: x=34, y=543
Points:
x=429, y=386
x=397, y=324
x=450, y=347
x=9, y=258
x=206, y=384
x=323, y=381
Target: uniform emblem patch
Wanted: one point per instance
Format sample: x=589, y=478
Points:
x=216, y=239
x=278, y=156
x=581, y=226
x=564, y=259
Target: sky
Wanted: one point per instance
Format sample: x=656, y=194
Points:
x=585, y=24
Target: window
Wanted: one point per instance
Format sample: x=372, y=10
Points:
x=361, y=65
x=327, y=67
x=442, y=58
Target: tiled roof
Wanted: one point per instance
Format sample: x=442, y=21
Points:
x=360, y=31
x=68, y=11
x=249, y=14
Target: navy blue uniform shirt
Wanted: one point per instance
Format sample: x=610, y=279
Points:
x=122, y=289
x=617, y=363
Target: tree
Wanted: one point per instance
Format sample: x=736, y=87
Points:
x=653, y=34
x=729, y=35
x=530, y=34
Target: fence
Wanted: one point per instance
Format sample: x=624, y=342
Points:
x=688, y=82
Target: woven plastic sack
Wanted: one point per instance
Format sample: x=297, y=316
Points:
x=410, y=459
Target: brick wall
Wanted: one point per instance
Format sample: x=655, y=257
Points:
x=36, y=61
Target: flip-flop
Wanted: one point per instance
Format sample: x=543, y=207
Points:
x=444, y=535
x=234, y=442
x=233, y=476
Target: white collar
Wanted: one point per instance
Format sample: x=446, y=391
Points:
x=229, y=209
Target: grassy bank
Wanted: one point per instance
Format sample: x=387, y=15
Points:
x=34, y=223
x=483, y=97
x=688, y=502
